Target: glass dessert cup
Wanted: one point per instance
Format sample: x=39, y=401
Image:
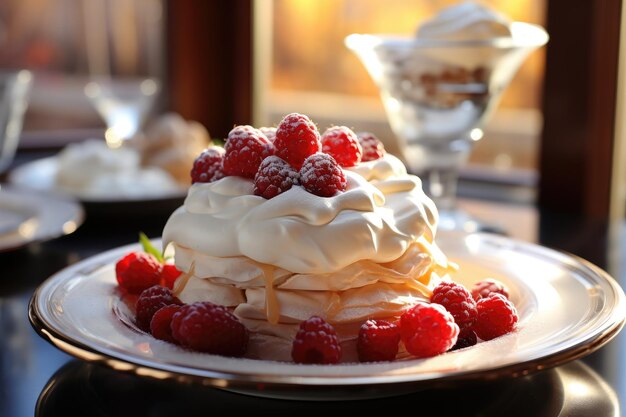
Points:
x=438, y=95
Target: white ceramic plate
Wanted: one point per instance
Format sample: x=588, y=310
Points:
x=568, y=308
x=40, y=175
x=28, y=216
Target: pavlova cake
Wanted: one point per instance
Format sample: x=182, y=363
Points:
x=313, y=248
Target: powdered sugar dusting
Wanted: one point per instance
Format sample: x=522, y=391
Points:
x=269, y=132
x=296, y=139
x=246, y=148
x=342, y=143
x=244, y=131
x=274, y=176
x=208, y=165
x=321, y=175
x=294, y=121
x=373, y=148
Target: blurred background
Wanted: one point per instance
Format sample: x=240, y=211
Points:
x=550, y=168
x=245, y=61
x=305, y=66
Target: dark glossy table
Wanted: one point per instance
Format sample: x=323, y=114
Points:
x=37, y=378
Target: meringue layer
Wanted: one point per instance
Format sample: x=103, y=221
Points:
x=381, y=213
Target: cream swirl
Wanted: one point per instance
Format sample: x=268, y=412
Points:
x=465, y=21
x=302, y=233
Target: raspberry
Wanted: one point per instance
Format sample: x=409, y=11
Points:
x=245, y=148
x=482, y=289
x=496, y=316
x=208, y=165
x=457, y=300
x=160, y=325
x=466, y=338
x=296, y=139
x=274, y=176
x=137, y=271
x=151, y=300
x=373, y=148
x=428, y=330
x=210, y=328
x=269, y=132
x=321, y=175
x=343, y=145
x=378, y=341
x=242, y=129
x=169, y=275
x=316, y=342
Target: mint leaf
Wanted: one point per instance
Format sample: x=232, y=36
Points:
x=149, y=248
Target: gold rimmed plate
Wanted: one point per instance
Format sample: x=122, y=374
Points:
x=568, y=308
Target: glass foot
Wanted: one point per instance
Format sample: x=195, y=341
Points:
x=459, y=220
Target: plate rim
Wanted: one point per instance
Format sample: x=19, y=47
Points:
x=78, y=218
x=221, y=379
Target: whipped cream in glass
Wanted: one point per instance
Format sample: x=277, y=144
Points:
x=440, y=86
x=465, y=21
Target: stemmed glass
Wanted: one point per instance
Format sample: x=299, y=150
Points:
x=124, y=58
x=14, y=91
x=437, y=95
x=123, y=104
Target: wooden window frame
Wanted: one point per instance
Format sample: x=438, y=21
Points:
x=576, y=167
x=210, y=69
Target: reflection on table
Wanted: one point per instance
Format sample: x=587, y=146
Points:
x=85, y=389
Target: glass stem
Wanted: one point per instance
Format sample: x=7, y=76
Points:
x=442, y=185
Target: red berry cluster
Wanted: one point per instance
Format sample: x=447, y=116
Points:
x=485, y=312
x=138, y=271
x=201, y=326
x=293, y=154
x=453, y=320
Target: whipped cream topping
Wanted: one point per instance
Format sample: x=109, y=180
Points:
x=82, y=163
x=465, y=21
x=92, y=169
x=172, y=143
x=303, y=233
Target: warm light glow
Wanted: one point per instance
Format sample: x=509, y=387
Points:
x=578, y=389
x=69, y=227
x=476, y=134
x=113, y=139
x=309, y=53
x=503, y=161
x=28, y=228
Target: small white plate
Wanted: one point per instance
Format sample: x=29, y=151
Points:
x=568, y=308
x=41, y=174
x=28, y=216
